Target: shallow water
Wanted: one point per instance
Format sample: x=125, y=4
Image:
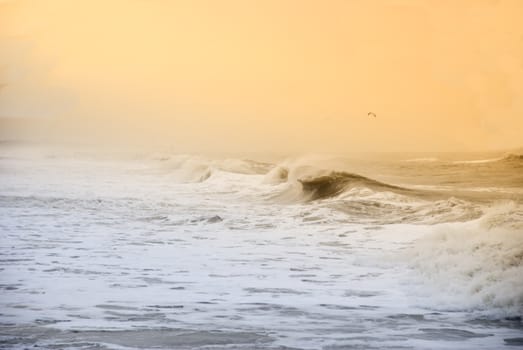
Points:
x=189, y=252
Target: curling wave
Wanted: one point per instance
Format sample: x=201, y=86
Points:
x=335, y=183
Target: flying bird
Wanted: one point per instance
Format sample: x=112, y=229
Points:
x=371, y=114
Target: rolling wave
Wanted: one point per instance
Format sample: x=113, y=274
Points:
x=422, y=160
x=364, y=199
x=335, y=183
x=383, y=211
x=507, y=159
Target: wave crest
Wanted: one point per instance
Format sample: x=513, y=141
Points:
x=513, y=158
x=475, y=265
x=276, y=175
x=335, y=183
x=191, y=169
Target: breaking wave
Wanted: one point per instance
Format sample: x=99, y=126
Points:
x=188, y=169
x=277, y=175
x=335, y=183
x=368, y=200
x=476, y=265
x=192, y=169
x=306, y=183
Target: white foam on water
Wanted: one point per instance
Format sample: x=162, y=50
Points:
x=91, y=244
x=475, y=265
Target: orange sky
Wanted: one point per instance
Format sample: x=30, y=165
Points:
x=267, y=75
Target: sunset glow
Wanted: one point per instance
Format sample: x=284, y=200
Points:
x=261, y=174
x=292, y=75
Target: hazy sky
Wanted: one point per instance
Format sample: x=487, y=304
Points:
x=267, y=75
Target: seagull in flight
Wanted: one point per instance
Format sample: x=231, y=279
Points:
x=371, y=114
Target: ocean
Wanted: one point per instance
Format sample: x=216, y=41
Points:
x=169, y=251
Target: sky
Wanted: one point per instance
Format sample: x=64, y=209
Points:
x=285, y=76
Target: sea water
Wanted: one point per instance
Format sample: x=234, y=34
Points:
x=177, y=251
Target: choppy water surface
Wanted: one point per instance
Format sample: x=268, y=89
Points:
x=170, y=251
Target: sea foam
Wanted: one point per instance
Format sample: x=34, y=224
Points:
x=475, y=265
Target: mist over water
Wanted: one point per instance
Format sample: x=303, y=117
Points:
x=133, y=217
x=162, y=250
